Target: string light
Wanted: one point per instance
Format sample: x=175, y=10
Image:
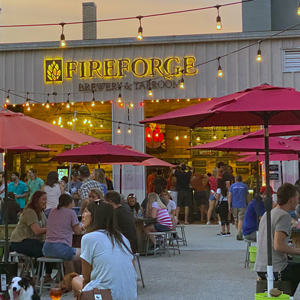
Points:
x=47, y=103
x=150, y=93
x=214, y=136
x=68, y=102
x=185, y=136
x=219, y=24
x=7, y=98
x=119, y=129
x=225, y=136
x=62, y=36
x=181, y=84
x=140, y=30
x=85, y=121
x=220, y=72
x=129, y=130
x=177, y=137
x=258, y=56
x=93, y=100
x=149, y=135
x=198, y=139
x=131, y=104
x=188, y=100
x=298, y=12
x=27, y=100
x=120, y=98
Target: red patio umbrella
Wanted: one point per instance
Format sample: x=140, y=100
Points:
x=276, y=130
x=262, y=105
x=273, y=157
x=22, y=149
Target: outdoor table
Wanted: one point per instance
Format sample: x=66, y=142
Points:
x=141, y=235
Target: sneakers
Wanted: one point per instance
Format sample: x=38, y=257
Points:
x=228, y=233
x=207, y=223
x=239, y=237
x=220, y=223
x=222, y=234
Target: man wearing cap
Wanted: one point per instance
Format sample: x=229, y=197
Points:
x=250, y=224
x=74, y=186
x=87, y=184
x=237, y=200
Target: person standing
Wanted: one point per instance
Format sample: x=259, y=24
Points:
x=19, y=188
x=87, y=184
x=150, y=180
x=199, y=183
x=98, y=175
x=109, y=183
x=34, y=183
x=237, y=200
x=213, y=185
x=159, y=180
x=184, y=196
x=74, y=186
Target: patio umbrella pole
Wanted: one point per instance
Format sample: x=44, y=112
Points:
x=6, y=247
x=268, y=205
x=72, y=147
x=257, y=188
x=120, y=179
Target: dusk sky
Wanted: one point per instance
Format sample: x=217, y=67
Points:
x=56, y=11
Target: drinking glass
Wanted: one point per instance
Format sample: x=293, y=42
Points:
x=55, y=292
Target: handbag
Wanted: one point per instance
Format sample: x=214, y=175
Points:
x=95, y=294
x=218, y=206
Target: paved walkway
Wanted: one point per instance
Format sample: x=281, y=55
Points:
x=211, y=267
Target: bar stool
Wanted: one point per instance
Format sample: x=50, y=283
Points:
x=161, y=242
x=41, y=269
x=172, y=237
x=137, y=258
x=182, y=239
x=28, y=261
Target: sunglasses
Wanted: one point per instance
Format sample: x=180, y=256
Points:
x=131, y=196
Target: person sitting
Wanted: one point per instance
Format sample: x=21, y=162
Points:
x=11, y=209
x=94, y=194
x=287, y=199
x=105, y=254
x=157, y=210
x=133, y=204
x=250, y=225
x=62, y=222
x=171, y=207
x=125, y=220
x=27, y=238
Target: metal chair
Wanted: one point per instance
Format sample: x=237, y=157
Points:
x=182, y=239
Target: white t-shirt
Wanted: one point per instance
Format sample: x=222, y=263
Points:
x=221, y=197
x=112, y=265
x=171, y=205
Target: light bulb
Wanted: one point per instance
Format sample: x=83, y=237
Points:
x=157, y=100
x=140, y=33
x=149, y=135
x=150, y=93
x=220, y=72
x=188, y=100
x=93, y=102
x=119, y=98
x=47, y=104
x=214, y=137
x=62, y=40
x=131, y=104
x=298, y=12
x=129, y=130
x=68, y=104
x=85, y=120
x=219, y=24
x=258, y=56
x=102, y=102
x=27, y=102
x=225, y=137
x=198, y=139
x=28, y=108
x=7, y=99
x=119, y=130
x=54, y=122
x=185, y=136
x=181, y=85
x=101, y=125
x=177, y=137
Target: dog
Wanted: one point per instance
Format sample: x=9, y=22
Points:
x=66, y=283
x=22, y=289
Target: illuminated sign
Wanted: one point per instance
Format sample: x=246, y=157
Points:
x=56, y=70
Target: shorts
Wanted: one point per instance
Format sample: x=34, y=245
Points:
x=161, y=228
x=59, y=250
x=200, y=198
x=212, y=197
x=238, y=214
x=184, y=198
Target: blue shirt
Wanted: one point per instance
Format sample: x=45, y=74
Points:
x=239, y=193
x=20, y=189
x=250, y=219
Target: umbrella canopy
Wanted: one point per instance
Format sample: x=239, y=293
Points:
x=16, y=129
x=101, y=152
x=273, y=157
x=275, y=130
x=240, y=143
x=247, y=107
x=21, y=149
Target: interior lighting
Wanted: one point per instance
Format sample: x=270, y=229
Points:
x=258, y=56
x=129, y=130
x=119, y=129
x=7, y=98
x=54, y=122
x=150, y=93
x=157, y=100
x=298, y=12
x=62, y=36
x=85, y=120
x=59, y=120
x=28, y=108
x=140, y=30
x=177, y=137
x=119, y=98
x=188, y=100
x=220, y=71
x=93, y=100
x=225, y=136
x=101, y=125
x=181, y=84
x=198, y=139
x=149, y=135
x=178, y=100
x=185, y=136
x=102, y=102
x=68, y=102
x=168, y=100
x=215, y=136
x=219, y=24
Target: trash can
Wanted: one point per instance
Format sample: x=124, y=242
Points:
x=7, y=271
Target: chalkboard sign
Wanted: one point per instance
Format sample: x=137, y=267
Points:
x=273, y=168
x=241, y=171
x=274, y=176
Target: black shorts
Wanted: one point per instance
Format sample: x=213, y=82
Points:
x=201, y=198
x=184, y=198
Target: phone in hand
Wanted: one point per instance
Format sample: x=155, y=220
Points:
x=213, y=192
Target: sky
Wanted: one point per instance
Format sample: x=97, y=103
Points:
x=56, y=11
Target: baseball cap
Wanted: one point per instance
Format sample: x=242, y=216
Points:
x=75, y=172
x=84, y=170
x=263, y=189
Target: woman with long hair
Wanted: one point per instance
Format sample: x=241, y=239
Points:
x=213, y=184
x=27, y=238
x=53, y=189
x=34, y=183
x=94, y=194
x=61, y=224
x=221, y=197
x=98, y=175
x=157, y=210
x=106, y=254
